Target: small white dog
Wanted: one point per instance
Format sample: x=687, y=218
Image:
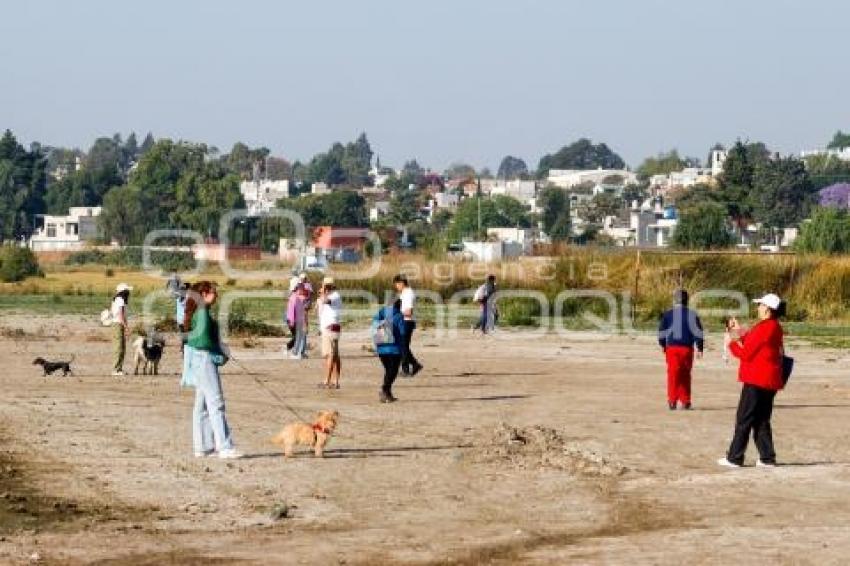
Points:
x=148, y=353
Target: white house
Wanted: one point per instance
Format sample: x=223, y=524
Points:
x=568, y=178
x=446, y=200
x=492, y=251
x=262, y=195
x=523, y=237
x=843, y=153
x=378, y=210
x=320, y=188
x=518, y=189
x=380, y=175
x=66, y=232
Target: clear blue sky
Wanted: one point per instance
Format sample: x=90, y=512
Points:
x=439, y=80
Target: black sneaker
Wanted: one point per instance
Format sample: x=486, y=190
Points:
x=416, y=369
x=384, y=398
x=671, y=405
x=687, y=406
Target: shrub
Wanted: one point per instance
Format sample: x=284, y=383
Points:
x=132, y=257
x=17, y=263
x=239, y=324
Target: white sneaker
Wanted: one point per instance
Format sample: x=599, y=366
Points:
x=295, y=357
x=230, y=454
x=204, y=454
x=727, y=463
x=760, y=464
x=118, y=373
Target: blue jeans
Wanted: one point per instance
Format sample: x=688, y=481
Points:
x=210, y=430
x=300, y=347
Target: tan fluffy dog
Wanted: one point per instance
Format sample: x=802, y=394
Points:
x=316, y=434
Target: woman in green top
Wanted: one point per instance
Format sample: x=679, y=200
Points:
x=210, y=431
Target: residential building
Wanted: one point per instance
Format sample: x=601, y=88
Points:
x=568, y=178
x=718, y=158
x=379, y=210
x=262, y=195
x=320, y=188
x=687, y=177
x=842, y=153
x=69, y=232
x=518, y=189
x=523, y=237
x=492, y=251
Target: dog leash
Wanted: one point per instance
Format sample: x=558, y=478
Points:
x=268, y=390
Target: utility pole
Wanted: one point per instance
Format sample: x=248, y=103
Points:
x=478, y=196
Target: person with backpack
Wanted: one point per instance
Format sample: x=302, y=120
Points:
x=679, y=331
x=120, y=327
x=388, y=332
x=762, y=372
x=210, y=430
x=485, y=297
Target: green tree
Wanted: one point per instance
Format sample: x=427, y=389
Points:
x=512, y=168
x=341, y=208
x=703, y=227
x=278, y=169
x=120, y=219
x=782, y=192
x=357, y=161
x=581, y=154
x=828, y=232
x=412, y=168
x=825, y=170
x=460, y=171
x=404, y=208
x=17, y=263
x=497, y=212
x=242, y=160
x=105, y=155
x=839, y=141
x=174, y=185
x=555, y=204
x=661, y=164
x=147, y=144
x=23, y=181
x=600, y=206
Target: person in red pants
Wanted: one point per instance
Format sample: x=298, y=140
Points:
x=679, y=332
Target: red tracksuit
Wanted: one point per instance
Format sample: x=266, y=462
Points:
x=680, y=362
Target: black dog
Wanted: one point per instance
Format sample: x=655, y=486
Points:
x=50, y=367
x=148, y=355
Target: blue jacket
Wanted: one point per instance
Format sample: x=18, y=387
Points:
x=680, y=326
x=390, y=348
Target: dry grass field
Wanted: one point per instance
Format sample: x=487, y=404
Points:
x=512, y=449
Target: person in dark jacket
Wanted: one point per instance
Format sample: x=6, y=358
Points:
x=760, y=350
x=679, y=332
x=388, y=330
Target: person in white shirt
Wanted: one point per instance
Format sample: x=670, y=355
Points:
x=410, y=366
x=120, y=328
x=330, y=311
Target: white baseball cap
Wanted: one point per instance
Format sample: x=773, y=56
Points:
x=123, y=287
x=770, y=300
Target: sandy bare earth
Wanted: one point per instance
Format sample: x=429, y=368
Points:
x=511, y=449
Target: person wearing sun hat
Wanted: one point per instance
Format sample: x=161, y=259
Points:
x=760, y=350
x=120, y=327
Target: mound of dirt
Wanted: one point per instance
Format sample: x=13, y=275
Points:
x=541, y=447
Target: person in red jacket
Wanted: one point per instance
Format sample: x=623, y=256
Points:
x=760, y=350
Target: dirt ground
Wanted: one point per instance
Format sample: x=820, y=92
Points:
x=511, y=449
